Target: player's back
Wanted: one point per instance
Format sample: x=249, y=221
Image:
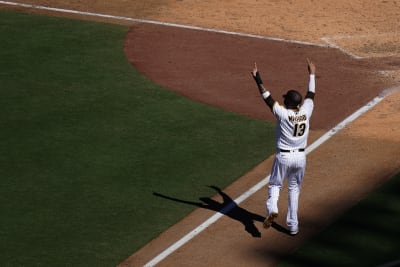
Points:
x=293, y=125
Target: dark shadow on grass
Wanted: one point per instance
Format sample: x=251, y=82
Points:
x=228, y=207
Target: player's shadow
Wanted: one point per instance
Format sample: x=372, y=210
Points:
x=228, y=207
x=280, y=228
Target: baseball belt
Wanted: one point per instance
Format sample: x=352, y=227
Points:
x=292, y=150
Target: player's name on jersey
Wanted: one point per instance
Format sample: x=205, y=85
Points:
x=297, y=118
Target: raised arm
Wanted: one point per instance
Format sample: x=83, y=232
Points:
x=311, y=85
x=264, y=92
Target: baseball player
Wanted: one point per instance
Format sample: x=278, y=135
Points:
x=293, y=124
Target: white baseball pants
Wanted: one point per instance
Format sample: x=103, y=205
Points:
x=290, y=165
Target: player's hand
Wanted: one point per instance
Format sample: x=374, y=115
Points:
x=256, y=75
x=311, y=67
x=254, y=72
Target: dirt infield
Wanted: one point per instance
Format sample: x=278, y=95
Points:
x=215, y=68
x=362, y=59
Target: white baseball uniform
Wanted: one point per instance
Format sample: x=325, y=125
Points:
x=290, y=161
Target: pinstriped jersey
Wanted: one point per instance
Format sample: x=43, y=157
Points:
x=293, y=125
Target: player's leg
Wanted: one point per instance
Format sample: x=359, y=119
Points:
x=293, y=194
x=278, y=174
x=295, y=178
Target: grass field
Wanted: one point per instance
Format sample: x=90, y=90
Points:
x=86, y=140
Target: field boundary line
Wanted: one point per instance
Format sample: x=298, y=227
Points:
x=328, y=40
x=172, y=248
x=330, y=43
x=100, y=15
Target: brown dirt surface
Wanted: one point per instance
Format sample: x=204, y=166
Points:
x=215, y=68
x=357, y=56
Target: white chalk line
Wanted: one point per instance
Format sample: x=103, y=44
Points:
x=328, y=39
x=263, y=182
x=206, y=224
x=330, y=43
x=99, y=15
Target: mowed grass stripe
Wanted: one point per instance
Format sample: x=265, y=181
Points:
x=86, y=140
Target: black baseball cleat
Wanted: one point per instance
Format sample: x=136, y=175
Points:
x=269, y=220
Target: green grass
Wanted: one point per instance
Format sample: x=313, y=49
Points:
x=367, y=235
x=86, y=140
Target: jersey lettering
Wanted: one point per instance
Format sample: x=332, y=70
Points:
x=297, y=118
